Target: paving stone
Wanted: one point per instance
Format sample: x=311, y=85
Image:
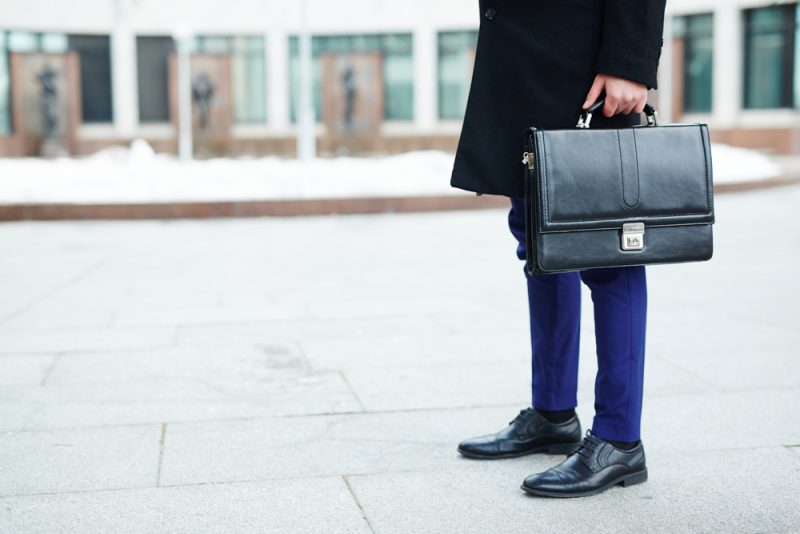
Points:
x=425, y=439
x=81, y=339
x=210, y=315
x=323, y=445
x=405, y=349
x=778, y=367
x=231, y=364
x=78, y=459
x=409, y=388
x=73, y=315
x=321, y=504
x=372, y=307
x=25, y=370
x=724, y=420
x=730, y=491
x=16, y=415
x=102, y=388
x=294, y=331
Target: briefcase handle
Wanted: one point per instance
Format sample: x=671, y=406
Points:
x=586, y=117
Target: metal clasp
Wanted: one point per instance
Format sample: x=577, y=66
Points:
x=528, y=159
x=633, y=236
x=653, y=119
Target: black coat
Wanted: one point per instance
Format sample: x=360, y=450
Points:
x=534, y=64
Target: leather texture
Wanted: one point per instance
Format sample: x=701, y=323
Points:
x=594, y=467
x=586, y=184
x=528, y=433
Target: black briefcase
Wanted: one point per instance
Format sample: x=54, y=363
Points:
x=617, y=197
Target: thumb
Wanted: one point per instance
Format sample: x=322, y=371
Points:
x=594, y=91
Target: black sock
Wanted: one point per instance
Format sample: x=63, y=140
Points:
x=623, y=445
x=557, y=416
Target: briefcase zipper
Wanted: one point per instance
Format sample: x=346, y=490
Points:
x=528, y=159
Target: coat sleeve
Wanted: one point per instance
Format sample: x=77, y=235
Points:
x=631, y=40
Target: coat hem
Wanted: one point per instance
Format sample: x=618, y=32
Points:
x=483, y=191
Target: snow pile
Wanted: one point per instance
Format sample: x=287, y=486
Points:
x=138, y=175
x=733, y=164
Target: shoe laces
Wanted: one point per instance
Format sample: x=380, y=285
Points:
x=524, y=416
x=587, y=447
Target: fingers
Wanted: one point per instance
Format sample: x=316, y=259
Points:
x=628, y=102
x=594, y=91
x=622, y=96
x=624, y=102
x=639, y=107
x=611, y=106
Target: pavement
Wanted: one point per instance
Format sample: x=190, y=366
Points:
x=315, y=375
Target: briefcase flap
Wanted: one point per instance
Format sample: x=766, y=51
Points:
x=603, y=178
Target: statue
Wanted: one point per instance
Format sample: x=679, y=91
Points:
x=202, y=91
x=350, y=92
x=47, y=79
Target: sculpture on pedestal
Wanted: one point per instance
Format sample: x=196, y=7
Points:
x=202, y=92
x=47, y=79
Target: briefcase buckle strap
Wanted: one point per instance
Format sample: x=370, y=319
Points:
x=585, y=118
x=633, y=236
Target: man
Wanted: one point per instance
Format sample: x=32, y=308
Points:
x=539, y=63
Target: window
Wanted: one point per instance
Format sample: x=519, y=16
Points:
x=697, y=32
x=249, y=80
x=151, y=61
x=456, y=56
x=398, y=78
x=769, y=69
x=24, y=41
x=397, y=68
x=95, y=59
x=248, y=70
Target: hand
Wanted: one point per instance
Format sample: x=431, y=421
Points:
x=622, y=96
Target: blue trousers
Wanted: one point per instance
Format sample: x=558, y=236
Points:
x=619, y=296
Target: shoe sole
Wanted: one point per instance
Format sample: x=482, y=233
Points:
x=559, y=448
x=625, y=480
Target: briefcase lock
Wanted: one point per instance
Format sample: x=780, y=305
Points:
x=633, y=236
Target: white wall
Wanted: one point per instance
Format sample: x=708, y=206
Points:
x=225, y=16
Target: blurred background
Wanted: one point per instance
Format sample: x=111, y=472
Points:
x=386, y=76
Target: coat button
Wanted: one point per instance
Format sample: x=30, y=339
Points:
x=491, y=13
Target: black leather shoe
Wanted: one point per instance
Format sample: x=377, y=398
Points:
x=594, y=467
x=528, y=433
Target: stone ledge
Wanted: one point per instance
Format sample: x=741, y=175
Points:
x=289, y=208
x=249, y=208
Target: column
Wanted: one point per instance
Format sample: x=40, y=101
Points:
x=124, y=89
x=278, y=81
x=425, y=79
x=727, y=75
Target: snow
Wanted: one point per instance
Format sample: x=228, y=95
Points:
x=136, y=174
x=733, y=165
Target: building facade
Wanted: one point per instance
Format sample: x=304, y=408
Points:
x=736, y=65
x=387, y=75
